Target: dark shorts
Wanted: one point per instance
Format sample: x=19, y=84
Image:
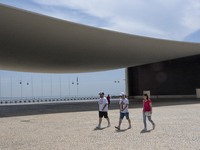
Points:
x=103, y=114
x=124, y=114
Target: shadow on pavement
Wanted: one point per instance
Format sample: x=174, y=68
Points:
x=146, y=131
x=121, y=130
x=95, y=129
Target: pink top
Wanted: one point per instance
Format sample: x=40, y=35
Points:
x=108, y=98
x=146, y=105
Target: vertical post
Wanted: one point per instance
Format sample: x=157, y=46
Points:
x=69, y=85
x=21, y=87
x=77, y=83
x=11, y=87
x=0, y=86
x=32, y=86
x=27, y=84
x=118, y=86
x=198, y=92
x=42, y=86
x=77, y=89
x=60, y=87
x=51, y=85
x=126, y=82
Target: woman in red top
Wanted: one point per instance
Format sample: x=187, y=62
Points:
x=108, y=98
x=147, y=111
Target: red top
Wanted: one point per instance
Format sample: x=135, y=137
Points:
x=108, y=98
x=146, y=105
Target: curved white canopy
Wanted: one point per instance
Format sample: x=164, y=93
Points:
x=36, y=43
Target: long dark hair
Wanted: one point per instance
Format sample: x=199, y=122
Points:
x=146, y=96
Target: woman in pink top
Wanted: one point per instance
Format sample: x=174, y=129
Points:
x=147, y=111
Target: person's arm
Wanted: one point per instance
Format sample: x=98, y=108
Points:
x=120, y=105
x=104, y=106
x=106, y=103
x=150, y=104
x=124, y=107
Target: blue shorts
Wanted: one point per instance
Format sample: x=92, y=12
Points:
x=124, y=114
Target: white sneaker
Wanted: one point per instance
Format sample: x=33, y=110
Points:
x=98, y=127
x=145, y=129
x=108, y=125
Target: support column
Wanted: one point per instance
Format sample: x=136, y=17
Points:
x=198, y=93
x=126, y=82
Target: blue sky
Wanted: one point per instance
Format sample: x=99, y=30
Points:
x=174, y=20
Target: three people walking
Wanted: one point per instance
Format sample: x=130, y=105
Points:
x=123, y=105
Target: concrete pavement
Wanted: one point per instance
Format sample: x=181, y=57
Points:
x=177, y=128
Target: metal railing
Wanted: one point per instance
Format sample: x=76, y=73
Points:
x=37, y=100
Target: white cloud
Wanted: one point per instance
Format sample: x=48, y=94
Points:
x=171, y=19
x=191, y=19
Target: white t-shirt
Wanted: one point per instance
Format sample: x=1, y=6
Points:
x=102, y=102
x=124, y=102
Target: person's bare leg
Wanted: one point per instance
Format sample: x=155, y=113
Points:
x=129, y=121
x=120, y=122
x=100, y=120
x=108, y=121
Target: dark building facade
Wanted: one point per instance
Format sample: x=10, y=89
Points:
x=174, y=77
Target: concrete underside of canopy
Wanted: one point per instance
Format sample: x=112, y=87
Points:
x=32, y=42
